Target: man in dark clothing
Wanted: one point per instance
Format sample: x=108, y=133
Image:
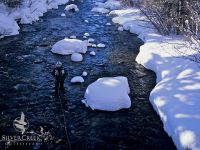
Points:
x=60, y=75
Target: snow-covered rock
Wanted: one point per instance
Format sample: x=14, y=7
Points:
x=76, y=57
x=109, y=94
x=69, y=46
x=63, y=15
x=72, y=37
x=100, y=10
x=108, y=24
x=86, y=21
x=94, y=45
x=8, y=26
x=92, y=53
x=120, y=29
x=77, y=79
x=101, y=45
x=86, y=34
x=84, y=74
x=71, y=7
x=91, y=40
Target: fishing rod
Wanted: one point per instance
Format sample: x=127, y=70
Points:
x=63, y=112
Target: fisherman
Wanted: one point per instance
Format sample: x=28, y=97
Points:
x=60, y=75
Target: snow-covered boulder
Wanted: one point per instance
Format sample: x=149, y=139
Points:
x=77, y=79
x=120, y=29
x=109, y=94
x=84, y=74
x=100, y=10
x=8, y=26
x=63, y=15
x=101, y=45
x=69, y=46
x=108, y=24
x=72, y=7
x=76, y=57
x=86, y=34
x=92, y=53
x=91, y=40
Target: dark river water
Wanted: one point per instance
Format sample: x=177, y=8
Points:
x=26, y=85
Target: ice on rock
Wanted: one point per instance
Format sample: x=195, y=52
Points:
x=101, y=45
x=77, y=79
x=69, y=46
x=63, y=15
x=120, y=29
x=84, y=74
x=76, y=57
x=92, y=53
x=108, y=94
x=72, y=7
x=86, y=21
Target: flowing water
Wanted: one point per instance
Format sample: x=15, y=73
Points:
x=27, y=86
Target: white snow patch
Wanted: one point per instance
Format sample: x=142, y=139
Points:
x=101, y=45
x=86, y=34
x=8, y=26
x=86, y=21
x=63, y=15
x=120, y=29
x=72, y=37
x=108, y=93
x=84, y=74
x=108, y=24
x=92, y=53
x=72, y=7
x=76, y=57
x=77, y=79
x=69, y=46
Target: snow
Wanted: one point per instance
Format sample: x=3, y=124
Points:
x=76, y=57
x=91, y=40
x=176, y=97
x=72, y=7
x=101, y=45
x=86, y=21
x=27, y=13
x=86, y=34
x=94, y=45
x=108, y=24
x=77, y=79
x=84, y=74
x=72, y=37
x=92, y=53
x=8, y=26
x=69, y=46
x=100, y=10
x=63, y=15
x=108, y=94
x=120, y=29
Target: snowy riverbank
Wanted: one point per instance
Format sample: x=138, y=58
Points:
x=176, y=97
x=28, y=12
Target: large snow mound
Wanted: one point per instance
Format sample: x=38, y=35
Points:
x=176, y=97
x=69, y=46
x=108, y=94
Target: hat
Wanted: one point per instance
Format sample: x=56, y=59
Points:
x=58, y=64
